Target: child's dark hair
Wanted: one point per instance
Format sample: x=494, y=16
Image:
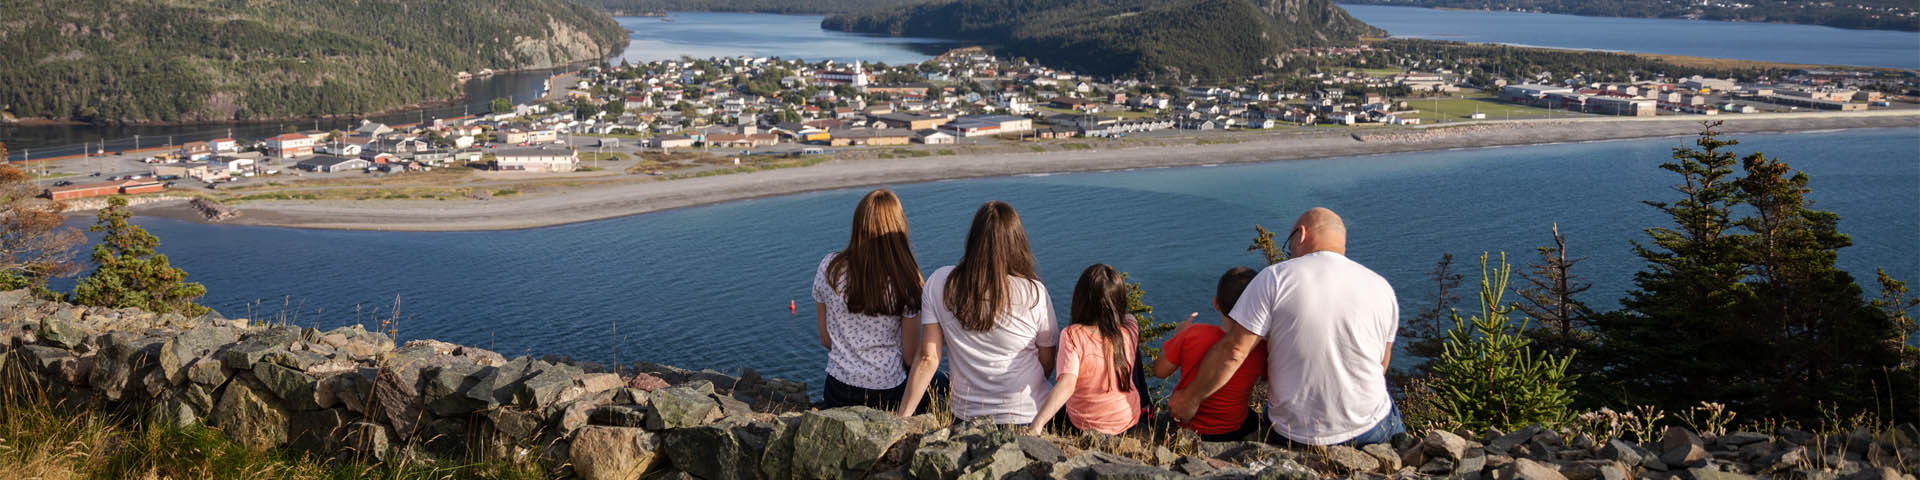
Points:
x=1100, y=303
x=1231, y=284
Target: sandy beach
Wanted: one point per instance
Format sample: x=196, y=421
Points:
x=596, y=202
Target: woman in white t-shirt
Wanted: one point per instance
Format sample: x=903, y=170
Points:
x=867, y=299
x=993, y=318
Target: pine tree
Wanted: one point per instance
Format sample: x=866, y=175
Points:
x=1549, y=296
x=1263, y=244
x=1823, y=341
x=1659, y=348
x=1488, y=374
x=130, y=273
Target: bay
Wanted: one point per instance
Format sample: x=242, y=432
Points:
x=1773, y=42
x=708, y=34
x=708, y=287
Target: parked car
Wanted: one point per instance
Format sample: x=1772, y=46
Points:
x=63, y=183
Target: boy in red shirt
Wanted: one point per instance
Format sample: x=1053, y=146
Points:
x=1228, y=414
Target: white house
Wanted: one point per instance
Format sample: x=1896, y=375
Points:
x=537, y=160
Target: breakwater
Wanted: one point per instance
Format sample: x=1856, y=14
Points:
x=353, y=393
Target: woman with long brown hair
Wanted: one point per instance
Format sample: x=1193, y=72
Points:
x=867, y=300
x=1096, y=362
x=992, y=316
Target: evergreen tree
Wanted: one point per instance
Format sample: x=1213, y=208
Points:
x=500, y=105
x=1263, y=244
x=130, y=273
x=1426, y=334
x=1488, y=375
x=1548, y=296
x=1665, y=345
x=1821, y=340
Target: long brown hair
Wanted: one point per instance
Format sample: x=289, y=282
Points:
x=977, y=290
x=1100, y=302
x=881, y=275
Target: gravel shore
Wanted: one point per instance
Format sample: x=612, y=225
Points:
x=607, y=201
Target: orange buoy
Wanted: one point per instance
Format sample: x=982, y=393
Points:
x=793, y=308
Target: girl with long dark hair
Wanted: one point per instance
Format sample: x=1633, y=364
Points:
x=867, y=300
x=1094, y=380
x=993, y=319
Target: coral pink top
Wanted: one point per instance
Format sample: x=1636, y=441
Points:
x=1097, y=403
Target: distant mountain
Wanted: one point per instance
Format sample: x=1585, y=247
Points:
x=227, y=60
x=1205, y=39
x=1856, y=14
x=634, y=7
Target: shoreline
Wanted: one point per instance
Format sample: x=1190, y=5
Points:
x=586, y=204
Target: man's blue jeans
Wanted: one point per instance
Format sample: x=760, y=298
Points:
x=1382, y=432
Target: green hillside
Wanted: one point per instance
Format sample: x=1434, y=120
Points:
x=760, y=6
x=1205, y=39
x=224, y=60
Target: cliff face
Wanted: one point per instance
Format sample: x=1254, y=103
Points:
x=1204, y=39
x=138, y=61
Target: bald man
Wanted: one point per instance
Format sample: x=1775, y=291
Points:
x=1329, y=324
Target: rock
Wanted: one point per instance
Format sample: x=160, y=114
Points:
x=1504, y=444
x=1621, y=451
x=444, y=389
x=646, y=383
x=1525, y=469
x=618, y=416
x=1738, y=439
x=1677, y=438
x=352, y=390
x=294, y=388
x=995, y=462
x=1244, y=453
x=679, y=407
x=518, y=426
x=1473, y=463
x=1115, y=471
x=494, y=386
x=175, y=413
x=1783, y=460
x=543, y=388
x=1039, y=449
x=1685, y=456
x=198, y=397
x=250, y=416
x=301, y=360
x=937, y=461
x=717, y=451
x=610, y=453
x=1350, y=460
x=366, y=440
x=1595, y=470
x=1383, y=453
x=314, y=432
x=598, y=382
x=840, y=442
x=1445, y=444
x=206, y=371
x=397, y=403
x=1712, y=473
x=1437, y=466
x=61, y=330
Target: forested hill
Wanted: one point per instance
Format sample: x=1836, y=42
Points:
x=761, y=6
x=1858, y=14
x=226, y=60
x=1204, y=39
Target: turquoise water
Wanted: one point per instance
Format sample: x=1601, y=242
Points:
x=1750, y=41
x=709, y=286
x=702, y=35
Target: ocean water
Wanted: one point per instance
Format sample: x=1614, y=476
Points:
x=708, y=287
x=1773, y=42
x=703, y=34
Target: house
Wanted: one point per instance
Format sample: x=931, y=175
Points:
x=230, y=164
x=910, y=90
x=911, y=121
x=224, y=144
x=343, y=149
x=1073, y=103
x=933, y=137
x=536, y=160
x=83, y=190
x=196, y=151
x=981, y=125
x=871, y=136
x=742, y=140
x=196, y=172
x=332, y=164
x=371, y=129
x=289, y=145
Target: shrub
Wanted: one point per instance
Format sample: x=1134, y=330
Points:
x=1488, y=375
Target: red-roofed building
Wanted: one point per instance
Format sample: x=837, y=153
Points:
x=290, y=145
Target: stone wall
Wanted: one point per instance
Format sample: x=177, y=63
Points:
x=350, y=393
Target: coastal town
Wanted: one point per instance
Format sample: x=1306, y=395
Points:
x=691, y=116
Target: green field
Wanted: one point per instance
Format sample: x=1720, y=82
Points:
x=1461, y=109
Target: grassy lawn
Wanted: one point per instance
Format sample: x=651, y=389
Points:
x=602, y=157
x=1127, y=114
x=1380, y=72
x=1441, y=110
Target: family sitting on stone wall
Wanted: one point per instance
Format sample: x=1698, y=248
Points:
x=1319, y=327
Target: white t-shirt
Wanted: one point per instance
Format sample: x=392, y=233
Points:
x=996, y=373
x=1327, y=321
x=866, y=348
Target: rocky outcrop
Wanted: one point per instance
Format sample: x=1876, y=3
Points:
x=352, y=393
x=213, y=211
